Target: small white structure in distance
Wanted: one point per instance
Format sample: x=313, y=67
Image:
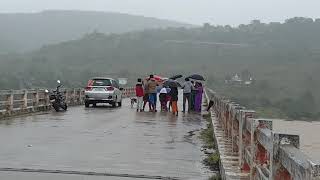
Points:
x=123, y=81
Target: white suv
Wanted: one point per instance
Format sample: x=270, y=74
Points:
x=103, y=90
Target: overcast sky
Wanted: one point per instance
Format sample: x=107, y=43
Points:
x=232, y=12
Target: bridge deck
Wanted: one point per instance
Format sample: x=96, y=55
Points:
x=103, y=140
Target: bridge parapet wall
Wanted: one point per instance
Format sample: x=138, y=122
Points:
x=257, y=151
x=17, y=102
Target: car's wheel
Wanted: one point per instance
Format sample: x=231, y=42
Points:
x=120, y=103
x=86, y=104
x=113, y=104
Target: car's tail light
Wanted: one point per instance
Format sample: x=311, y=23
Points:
x=90, y=82
x=109, y=88
x=89, y=88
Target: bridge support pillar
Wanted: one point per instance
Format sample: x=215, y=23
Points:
x=244, y=138
x=263, y=149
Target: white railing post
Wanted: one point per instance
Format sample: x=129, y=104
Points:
x=25, y=100
x=241, y=122
x=47, y=100
x=37, y=99
x=74, y=97
x=10, y=103
x=66, y=93
x=79, y=96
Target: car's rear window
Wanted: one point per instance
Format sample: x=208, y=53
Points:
x=100, y=82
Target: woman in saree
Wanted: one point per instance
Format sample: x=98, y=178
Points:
x=198, y=98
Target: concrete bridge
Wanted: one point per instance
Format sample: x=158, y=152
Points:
x=252, y=148
x=100, y=143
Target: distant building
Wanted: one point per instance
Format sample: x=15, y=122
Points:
x=249, y=81
x=237, y=80
x=233, y=80
x=123, y=81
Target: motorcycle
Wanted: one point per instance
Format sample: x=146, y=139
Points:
x=57, y=99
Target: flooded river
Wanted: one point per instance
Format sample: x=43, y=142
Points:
x=309, y=135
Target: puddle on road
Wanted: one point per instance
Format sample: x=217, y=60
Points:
x=146, y=122
x=150, y=135
x=192, y=137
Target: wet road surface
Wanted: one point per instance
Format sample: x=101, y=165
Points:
x=39, y=176
x=103, y=140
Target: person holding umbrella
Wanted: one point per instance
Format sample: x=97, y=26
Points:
x=175, y=77
x=197, y=92
x=152, y=89
x=198, y=97
x=187, y=88
x=196, y=77
x=170, y=83
x=174, y=100
x=193, y=97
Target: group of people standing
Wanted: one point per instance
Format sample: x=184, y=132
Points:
x=148, y=89
x=192, y=92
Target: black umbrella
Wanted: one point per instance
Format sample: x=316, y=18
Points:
x=197, y=77
x=171, y=83
x=176, y=77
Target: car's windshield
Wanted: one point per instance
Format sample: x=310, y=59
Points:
x=100, y=82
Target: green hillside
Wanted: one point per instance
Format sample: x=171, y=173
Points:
x=26, y=31
x=284, y=60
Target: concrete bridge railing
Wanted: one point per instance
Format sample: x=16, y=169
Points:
x=17, y=102
x=250, y=149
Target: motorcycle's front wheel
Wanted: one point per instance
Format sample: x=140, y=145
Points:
x=64, y=107
x=56, y=107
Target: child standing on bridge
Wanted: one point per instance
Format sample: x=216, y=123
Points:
x=139, y=94
x=163, y=99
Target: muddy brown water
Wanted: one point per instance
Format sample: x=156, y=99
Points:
x=103, y=139
x=309, y=133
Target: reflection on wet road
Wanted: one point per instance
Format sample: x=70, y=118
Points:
x=103, y=140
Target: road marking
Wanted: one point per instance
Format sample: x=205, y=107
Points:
x=86, y=173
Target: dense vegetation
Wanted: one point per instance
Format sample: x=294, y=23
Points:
x=283, y=58
x=27, y=31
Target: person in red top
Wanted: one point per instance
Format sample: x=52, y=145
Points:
x=139, y=94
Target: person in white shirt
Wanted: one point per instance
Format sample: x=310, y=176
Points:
x=163, y=99
x=187, y=88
